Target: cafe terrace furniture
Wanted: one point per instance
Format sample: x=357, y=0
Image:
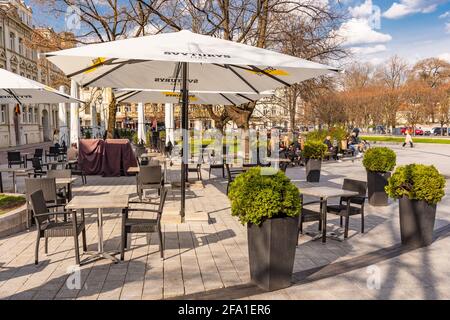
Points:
x=143, y=225
x=15, y=172
x=99, y=203
x=324, y=193
x=149, y=177
x=37, y=168
x=47, y=228
x=14, y=158
x=350, y=206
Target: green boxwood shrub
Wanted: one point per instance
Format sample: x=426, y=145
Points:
x=314, y=149
x=379, y=159
x=417, y=182
x=256, y=197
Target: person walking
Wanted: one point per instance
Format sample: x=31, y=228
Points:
x=408, y=140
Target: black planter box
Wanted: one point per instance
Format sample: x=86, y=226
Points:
x=376, y=181
x=416, y=222
x=313, y=167
x=271, y=250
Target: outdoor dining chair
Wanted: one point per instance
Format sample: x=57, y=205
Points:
x=77, y=170
x=232, y=174
x=14, y=158
x=37, y=167
x=47, y=228
x=195, y=168
x=48, y=187
x=143, y=225
x=53, y=152
x=350, y=206
x=215, y=163
x=309, y=214
x=66, y=173
x=149, y=177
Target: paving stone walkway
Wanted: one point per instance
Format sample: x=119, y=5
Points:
x=210, y=260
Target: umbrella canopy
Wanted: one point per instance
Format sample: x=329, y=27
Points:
x=162, y=96
x=17, y=89
x=183, y=61
x=153, y=62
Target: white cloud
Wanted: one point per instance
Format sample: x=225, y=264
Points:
x=445, y=15
x=369, y=50
x=445, y=56
x=447, y=27
x=407, y=7
x=358, y=31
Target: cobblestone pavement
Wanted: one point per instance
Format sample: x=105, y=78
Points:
x=211, y=261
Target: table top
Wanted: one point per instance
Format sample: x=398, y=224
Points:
x=21, y=170
x=133, y=170
x=64, y=180
x=326, y=192
x=277, y=160
x=98, y=202
x=150, y=154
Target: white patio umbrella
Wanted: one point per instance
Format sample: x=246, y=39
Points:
x=183, y=61
x=196, y=98
x=17, y=89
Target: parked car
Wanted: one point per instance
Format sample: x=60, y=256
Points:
x=417, y=131
x=436, y=131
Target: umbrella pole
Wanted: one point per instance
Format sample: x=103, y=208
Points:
x=184, y=128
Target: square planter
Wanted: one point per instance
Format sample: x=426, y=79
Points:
x=416, y=222
x=271, y=248
x=313, y=167
x=376, y=181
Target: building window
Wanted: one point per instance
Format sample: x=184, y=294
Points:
x=21, y=46
x=36, y=113
x=3, y=113
x=24, y=115
x=87, y=110
x=30, y=115
x=12, y=41
x=1, y=36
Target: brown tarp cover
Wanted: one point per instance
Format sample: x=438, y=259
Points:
x=109, y=157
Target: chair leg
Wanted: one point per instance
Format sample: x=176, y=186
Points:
x=36, y=252
x=320, y=225
x=209, y=173
x=83, y=235
x=122, y=246
x=223, y=171
x=77, y=250
x=362, y=221
x=46, y=245
x=161, y=245
x=340, y=221
x=347, y=220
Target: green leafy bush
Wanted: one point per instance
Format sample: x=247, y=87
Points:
x=379, y=159
x=256, y=197
x=314, y=149
x=316, y=135
x=417, y=182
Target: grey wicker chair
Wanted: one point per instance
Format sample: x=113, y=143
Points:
x=48, y=187
x=149, y=177
x=65, y=173
x=77, y=170
x=143, y=225
x=47, y=228
x=309, y=214
x=350, y=206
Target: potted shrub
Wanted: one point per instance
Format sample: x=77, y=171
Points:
x=313, y=152
x=419, y=188
x=269, y=205
x=379, y=162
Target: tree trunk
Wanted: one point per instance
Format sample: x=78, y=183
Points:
x=112, y=109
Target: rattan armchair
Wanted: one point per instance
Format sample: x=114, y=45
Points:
x=46, y=228
x=149, y=177
x=143, y=225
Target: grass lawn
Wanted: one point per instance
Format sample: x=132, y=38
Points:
x=8, y=202
x=402, y=139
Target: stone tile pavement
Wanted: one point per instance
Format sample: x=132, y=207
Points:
x=210, y=261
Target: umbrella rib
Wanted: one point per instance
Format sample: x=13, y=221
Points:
x=246, y=98
x=227, y=66
x=270, y=75
x=90, y=67
x=131, y=94
x=105, y=74
x=223, y=96
x=11, y=92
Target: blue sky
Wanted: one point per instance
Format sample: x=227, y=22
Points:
x=412, y=29
x=379, y=29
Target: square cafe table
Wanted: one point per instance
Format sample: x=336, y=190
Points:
x=324, y=193
x=14, y=171
x=113, y=201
